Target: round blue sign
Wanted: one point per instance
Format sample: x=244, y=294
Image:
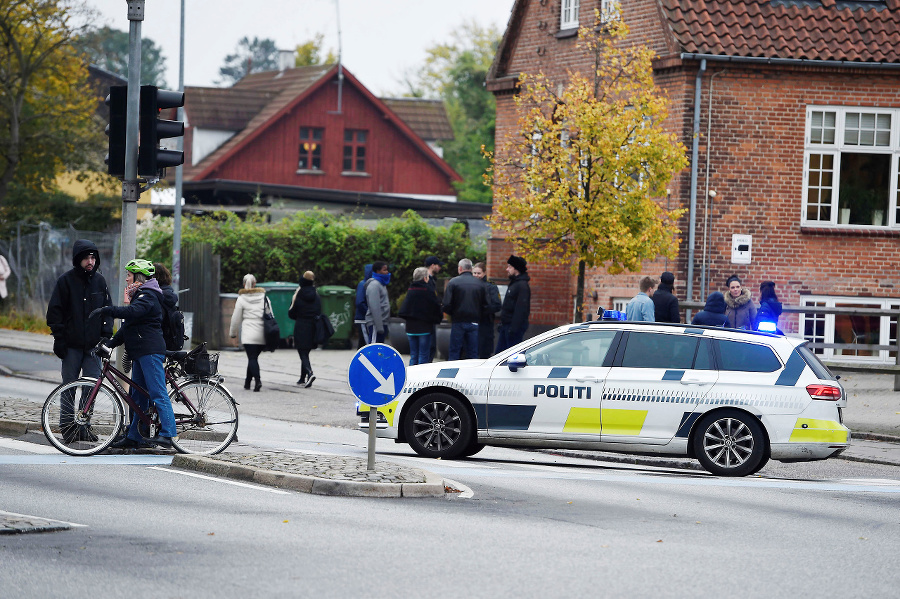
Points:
x=376, y=375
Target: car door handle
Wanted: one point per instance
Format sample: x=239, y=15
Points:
x=589, y=380
x=695, y=382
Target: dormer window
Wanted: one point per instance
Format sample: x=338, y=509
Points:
x=568, y=14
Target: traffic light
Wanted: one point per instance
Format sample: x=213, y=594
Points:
x=117, y=100
x=151, y=159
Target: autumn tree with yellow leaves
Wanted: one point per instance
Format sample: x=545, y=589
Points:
x=47, y=108
x=579, y=182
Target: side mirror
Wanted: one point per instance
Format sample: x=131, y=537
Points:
x=515, y=362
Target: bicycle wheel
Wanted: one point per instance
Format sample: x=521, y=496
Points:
x=74, y=430
x=212, y=427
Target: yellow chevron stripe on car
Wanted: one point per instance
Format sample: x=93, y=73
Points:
x=389, y=411
x=819, y=431
x=622, y=422
x=583, y=420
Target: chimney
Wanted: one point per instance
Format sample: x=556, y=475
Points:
x=285, y=59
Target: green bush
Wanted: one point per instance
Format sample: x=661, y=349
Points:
x=335, y=248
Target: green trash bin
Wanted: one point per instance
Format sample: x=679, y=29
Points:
x=339, y=303
x=280, y=295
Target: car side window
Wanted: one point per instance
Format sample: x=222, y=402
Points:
x=747, y=357
x=704, y=359
x=659, y=350
x=582, y=348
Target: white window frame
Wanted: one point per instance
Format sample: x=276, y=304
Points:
x=609, y=10
x=568, y=14
x=829, y=301
x=834, y=150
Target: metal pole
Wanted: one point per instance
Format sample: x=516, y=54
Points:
x=897, y=346
x=692, y=226
x=131, y=188
x=176, y=236
x=373, y=424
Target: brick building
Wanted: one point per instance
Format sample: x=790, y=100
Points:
x=790, y=110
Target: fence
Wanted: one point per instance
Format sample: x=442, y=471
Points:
x=199, y=292
x=39, y=254
x=859, y=347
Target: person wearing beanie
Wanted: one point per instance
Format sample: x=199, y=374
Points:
x=306, y=306
x=77, y=293
x=516, y=305
x=769, y=306
x=248, y=319
x=665, y=303
x=713, y=313
x=740, y=310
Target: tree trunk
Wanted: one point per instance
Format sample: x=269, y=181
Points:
x=579, y=294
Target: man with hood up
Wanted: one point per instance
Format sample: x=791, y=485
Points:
x=78, y=292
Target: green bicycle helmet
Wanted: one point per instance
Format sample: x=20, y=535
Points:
x=144, y=267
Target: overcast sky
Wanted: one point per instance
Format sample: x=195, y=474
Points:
x=380, y=38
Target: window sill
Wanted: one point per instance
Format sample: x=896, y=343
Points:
x=354, y=174
x=310, y=171
x=565, y=33
x=850, y=230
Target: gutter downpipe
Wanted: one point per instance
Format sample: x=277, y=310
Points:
x=695, y=150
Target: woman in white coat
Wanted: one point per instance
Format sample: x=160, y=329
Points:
x=248, y=316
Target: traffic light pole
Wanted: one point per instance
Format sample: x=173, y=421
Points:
x=131, y=188
x=176, y=236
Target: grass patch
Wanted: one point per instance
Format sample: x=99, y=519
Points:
x=23, y=321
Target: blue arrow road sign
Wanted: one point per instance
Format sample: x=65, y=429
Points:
x=377, y=374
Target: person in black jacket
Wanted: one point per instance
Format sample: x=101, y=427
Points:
x=306, y=306
x=713, y=313
x=422, y=310
x=664, y=301
x=141, y=332
x=79, y=292
x=769, y=306
x=516, y=305
x=486, y=324
x=465, y=300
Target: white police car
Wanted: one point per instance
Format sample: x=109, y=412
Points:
x=731, y=399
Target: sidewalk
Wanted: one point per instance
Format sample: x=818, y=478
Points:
x=873, y=413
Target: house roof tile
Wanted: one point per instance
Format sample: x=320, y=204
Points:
x=857, y=31
x=428, y=118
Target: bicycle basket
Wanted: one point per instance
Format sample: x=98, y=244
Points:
x=200, y=362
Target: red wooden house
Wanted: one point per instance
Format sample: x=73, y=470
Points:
x=790, y=110
x=315, y=136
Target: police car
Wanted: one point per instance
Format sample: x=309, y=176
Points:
x=731, y=399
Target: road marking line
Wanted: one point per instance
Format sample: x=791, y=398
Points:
x=465, y=492
x=42, y=518
x=223, y=480
x=27, y=446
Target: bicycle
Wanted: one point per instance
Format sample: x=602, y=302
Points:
x=206, y=418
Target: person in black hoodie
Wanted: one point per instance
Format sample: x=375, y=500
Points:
x=422, y=310
x=486, y=324
x=79, y=292
x=769, y=306
x=141, y=332
x=664, y=301
x=516, y=305
x=306, y=306
x=713, y=313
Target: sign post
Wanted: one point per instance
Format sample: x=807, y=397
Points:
x=376, y=376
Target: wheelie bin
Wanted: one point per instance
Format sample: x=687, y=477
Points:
x=338, y=303
x=280, y=295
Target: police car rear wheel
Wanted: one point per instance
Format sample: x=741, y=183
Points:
x=439, y=426
x=730, y=443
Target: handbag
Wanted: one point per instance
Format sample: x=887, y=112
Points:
x=324, y=329
x=270, y=328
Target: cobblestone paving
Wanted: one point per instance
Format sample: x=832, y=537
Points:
x=11, y=524
x=20, y=409
x=325, y=466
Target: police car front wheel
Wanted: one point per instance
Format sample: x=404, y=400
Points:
x=439, y=426
x=730, y=443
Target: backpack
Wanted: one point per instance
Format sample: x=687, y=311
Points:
x=173, y=327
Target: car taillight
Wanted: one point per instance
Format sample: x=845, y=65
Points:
x=826, y=392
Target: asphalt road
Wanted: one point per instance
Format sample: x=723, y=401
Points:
x=529, y=525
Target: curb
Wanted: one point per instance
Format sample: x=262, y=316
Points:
x=17, y=428
x=432, y=487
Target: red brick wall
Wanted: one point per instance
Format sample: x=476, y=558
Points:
x=755, y=167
